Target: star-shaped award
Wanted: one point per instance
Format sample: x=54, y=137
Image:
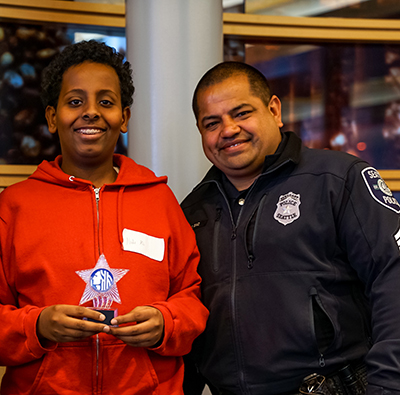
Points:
x=101, y=284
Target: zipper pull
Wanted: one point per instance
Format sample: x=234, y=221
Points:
x=218, y=216
x=321, y=361
x=97, y=193
x=233, y=235
x=250, y=262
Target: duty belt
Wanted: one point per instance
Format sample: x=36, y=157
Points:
x=347, y=381
x=350, y=380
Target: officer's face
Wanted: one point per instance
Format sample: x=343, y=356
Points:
x=237, y=129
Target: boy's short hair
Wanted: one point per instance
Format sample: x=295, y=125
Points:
x=86, y=51
x=259, y=86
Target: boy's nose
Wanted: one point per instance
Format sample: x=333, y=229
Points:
x=89, y=116
x=90, y=111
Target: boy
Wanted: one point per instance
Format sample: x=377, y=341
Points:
x=94, y=229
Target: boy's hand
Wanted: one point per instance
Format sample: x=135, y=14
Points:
x=147, y=327
x=64, y=323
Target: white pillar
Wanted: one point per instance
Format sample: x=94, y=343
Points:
x=170, y=45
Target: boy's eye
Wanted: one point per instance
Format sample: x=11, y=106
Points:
x=75, y=102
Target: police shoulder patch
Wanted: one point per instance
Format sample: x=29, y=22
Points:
x=379, y=190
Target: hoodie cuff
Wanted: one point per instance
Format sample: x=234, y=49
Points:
x=168, y=327
x=35, y=346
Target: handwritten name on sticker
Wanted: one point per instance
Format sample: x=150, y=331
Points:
x=141, y=243
x=379, y=190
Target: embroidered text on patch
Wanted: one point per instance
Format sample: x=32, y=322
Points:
x=379, y=190
x=287, y=208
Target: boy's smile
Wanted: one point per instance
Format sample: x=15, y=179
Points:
x=89, y=116
x=89, y=131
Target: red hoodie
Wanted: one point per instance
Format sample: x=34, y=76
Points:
x=52, y=226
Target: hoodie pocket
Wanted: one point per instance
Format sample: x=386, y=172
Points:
x=71, y=370
x=67, y=370
x=131, y=368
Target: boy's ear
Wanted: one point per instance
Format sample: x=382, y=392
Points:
x=51, y=119
x=126, y=114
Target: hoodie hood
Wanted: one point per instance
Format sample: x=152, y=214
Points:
x=130, y=174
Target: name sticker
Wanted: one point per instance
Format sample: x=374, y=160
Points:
x=379, y=190
x=150, y=246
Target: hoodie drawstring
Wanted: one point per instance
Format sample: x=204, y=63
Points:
x=119, y=212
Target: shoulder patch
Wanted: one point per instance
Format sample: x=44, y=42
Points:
x=379, y=190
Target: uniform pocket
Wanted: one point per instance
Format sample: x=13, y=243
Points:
x=324, y=330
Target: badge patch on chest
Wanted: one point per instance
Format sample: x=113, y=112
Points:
x=379, y=190
x=287, y=208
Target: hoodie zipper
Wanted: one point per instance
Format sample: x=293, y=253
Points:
x=97, y=197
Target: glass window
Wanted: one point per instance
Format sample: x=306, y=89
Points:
x=382, y=9
x=233, y=6
x=337, y=96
